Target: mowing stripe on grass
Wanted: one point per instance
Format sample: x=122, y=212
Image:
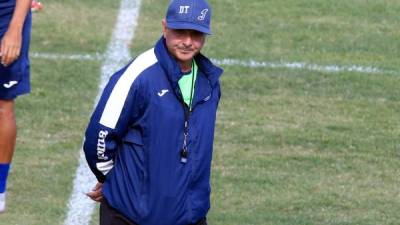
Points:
x=80, y=207
x=235, y=62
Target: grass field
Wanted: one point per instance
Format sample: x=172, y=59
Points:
x=292, y=147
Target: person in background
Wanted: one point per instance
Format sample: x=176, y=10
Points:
x=150, y=139
x=15, y=28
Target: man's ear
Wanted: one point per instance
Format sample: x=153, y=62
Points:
x=164, y=26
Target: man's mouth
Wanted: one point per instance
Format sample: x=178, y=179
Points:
x=185, y=50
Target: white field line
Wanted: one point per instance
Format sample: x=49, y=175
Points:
x=301, y=65
x=58, y=56
x=235, y=62
x=80, y=207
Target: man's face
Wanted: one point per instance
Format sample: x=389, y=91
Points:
x=183, y=44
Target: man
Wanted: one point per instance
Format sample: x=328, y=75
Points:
x=15, y=26
x=150, y=138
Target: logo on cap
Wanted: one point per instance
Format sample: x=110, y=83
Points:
x=183, y=9
x=189, y=14
x=203, y=14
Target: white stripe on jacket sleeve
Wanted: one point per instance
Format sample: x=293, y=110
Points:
x=116, y=101
x=105, y=167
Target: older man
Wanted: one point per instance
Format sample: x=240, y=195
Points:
x=150, y=139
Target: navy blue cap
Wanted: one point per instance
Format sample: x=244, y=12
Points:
x=189, y=14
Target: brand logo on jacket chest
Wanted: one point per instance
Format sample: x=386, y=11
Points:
x=163, y=92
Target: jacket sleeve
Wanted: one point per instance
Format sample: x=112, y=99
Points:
x=116, y=109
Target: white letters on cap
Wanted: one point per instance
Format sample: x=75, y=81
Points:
x=183, y=9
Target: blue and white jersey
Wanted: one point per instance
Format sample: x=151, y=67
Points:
x=135, y=136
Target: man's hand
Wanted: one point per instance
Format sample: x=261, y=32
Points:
x=10, y=46
x=97, y=193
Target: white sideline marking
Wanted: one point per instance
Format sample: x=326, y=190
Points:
x=55, y=56
x=300, y=65
x=235, y=62
x=80, y=207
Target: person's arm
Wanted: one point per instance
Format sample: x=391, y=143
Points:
x=10, y=46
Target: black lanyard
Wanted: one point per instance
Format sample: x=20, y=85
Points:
x=187, y=110
x=184, y=151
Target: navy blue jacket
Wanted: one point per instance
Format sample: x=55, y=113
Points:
x=135, y=136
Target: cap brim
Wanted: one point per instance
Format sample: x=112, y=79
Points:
x=188, y=26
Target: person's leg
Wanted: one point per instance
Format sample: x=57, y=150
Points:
x=8, y=130
x=8, y=133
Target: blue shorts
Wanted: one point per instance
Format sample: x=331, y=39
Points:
x=15, y=78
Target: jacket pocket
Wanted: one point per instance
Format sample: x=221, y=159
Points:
x=134, y=154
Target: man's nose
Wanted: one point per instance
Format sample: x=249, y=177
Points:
x=187, y=39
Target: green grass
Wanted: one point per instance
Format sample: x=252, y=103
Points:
x=51, y=121
x=73, y=26
x=325, y=32
x=292, y=152
x=291, y=146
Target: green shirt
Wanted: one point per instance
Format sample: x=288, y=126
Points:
x=186, y=84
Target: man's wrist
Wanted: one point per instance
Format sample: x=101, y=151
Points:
x=16, y=26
